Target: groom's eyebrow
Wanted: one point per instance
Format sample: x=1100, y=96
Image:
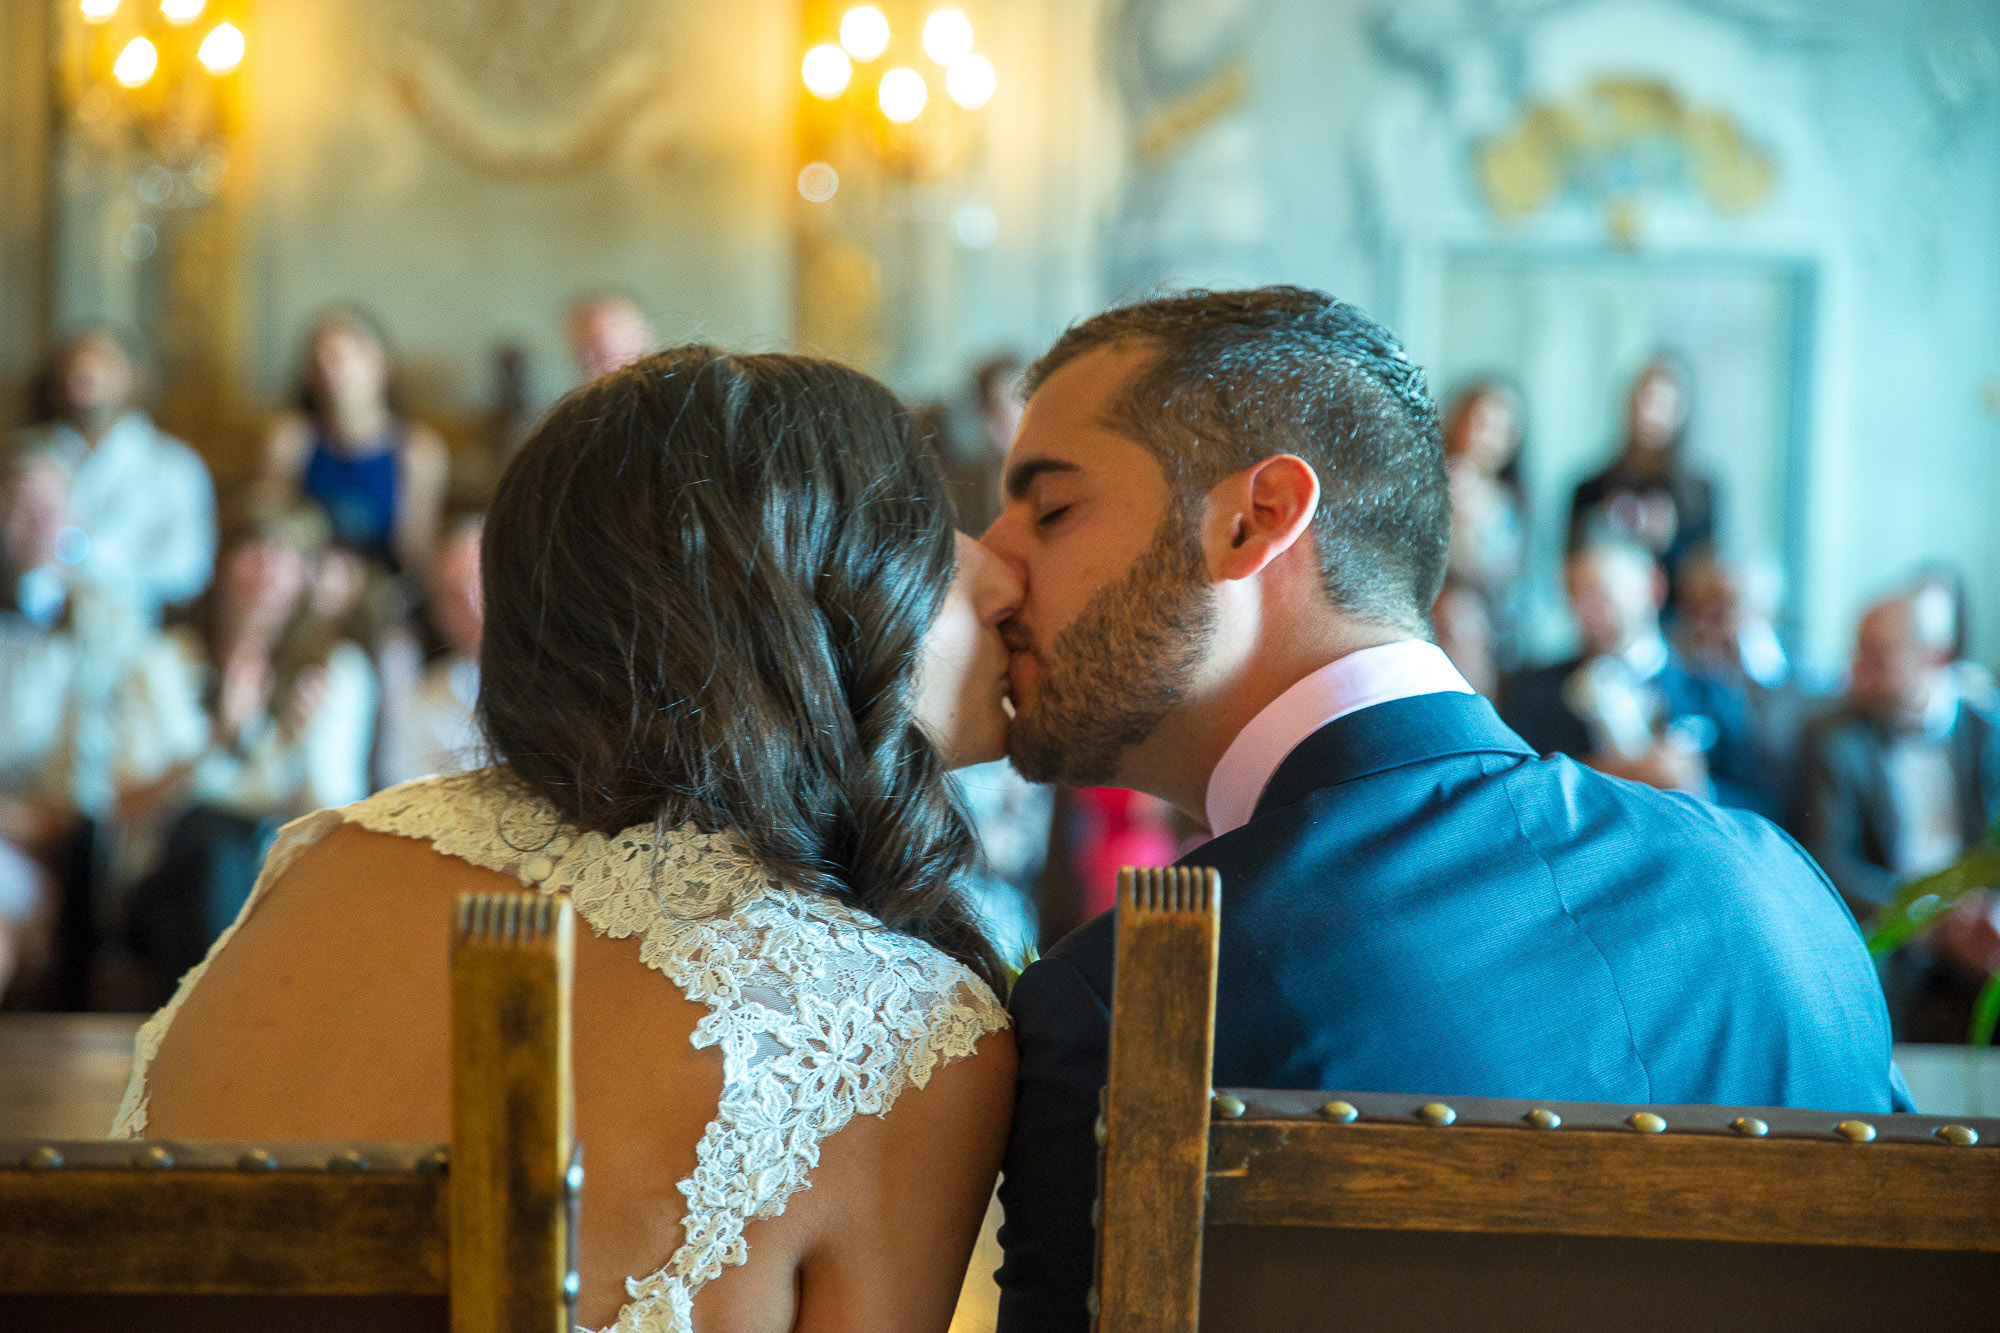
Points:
x=1022, y=475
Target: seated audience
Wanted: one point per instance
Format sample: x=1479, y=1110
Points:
x=63, y=650
x=607, y=332
x=1489, y=539
x=433, y=730
x=1628, y=705
x=263, y=714
x=1727, y=632
x=379, y=476
x=141, y=507
x=1650, y=494
x=1900, y=781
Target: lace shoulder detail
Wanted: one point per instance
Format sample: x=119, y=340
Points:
x=820, y=1012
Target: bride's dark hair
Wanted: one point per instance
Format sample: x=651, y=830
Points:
x=707, y=578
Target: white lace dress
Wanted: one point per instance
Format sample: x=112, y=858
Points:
x=821, y=1013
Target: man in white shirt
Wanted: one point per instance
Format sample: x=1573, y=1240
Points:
x=141, y=504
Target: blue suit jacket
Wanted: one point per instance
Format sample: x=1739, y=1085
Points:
x=1422, y=905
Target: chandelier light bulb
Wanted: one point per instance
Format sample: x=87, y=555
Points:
x=182, y=11
x=971, y=81
x=826, y=70
x=97, y=11
x=864, y=31
x=136, y=63
x=947, y=36
x=222, y=50
x=903, y=94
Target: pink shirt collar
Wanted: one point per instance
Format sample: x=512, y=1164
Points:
x=1346, y=685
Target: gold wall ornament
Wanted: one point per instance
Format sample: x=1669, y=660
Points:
x=526, y=88
x=1618, y=142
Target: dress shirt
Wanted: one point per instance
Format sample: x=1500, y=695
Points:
x=1359, y=680
x=145, y=504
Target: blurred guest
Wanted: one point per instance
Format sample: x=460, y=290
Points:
x=512, y=416
x=1488, y=551
x=1727, y=632
x=141, y=507
x=1901, y=781
x=1463, y=627
x=974, y=452
x=266, y=715
x=63, y=654
x=1650, y=494
x=1945, y=595
x=379, y=476
x=607, y=332
x=433, y=730
x=1628, y=705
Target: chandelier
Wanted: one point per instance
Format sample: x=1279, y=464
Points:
x=154, y=84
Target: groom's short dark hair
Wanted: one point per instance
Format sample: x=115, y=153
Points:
x=1241, y=376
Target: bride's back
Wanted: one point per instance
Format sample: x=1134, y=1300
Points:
x=707, y=582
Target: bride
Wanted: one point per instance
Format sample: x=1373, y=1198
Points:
x=730, y=650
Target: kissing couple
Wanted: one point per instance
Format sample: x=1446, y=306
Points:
x=732, y=646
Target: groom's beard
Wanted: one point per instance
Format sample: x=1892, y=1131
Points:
x=1120, y=667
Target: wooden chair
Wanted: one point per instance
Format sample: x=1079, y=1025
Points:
x=1251, y=1210
x=479, y=1234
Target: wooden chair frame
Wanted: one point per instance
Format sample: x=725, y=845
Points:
x=489, y=1220
x=1177, y=1157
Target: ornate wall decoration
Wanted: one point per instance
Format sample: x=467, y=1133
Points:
x=1617, y=142
x=524, y=87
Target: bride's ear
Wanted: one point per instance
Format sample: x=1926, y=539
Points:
x=1256, y=515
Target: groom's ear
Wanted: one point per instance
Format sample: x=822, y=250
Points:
x=1256, y=515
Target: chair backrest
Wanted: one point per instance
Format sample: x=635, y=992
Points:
x=1253, y=1210
x=359, y=1235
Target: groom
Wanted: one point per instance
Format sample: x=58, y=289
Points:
x=1231, y=512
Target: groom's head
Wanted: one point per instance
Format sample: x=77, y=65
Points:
x=1195, y=473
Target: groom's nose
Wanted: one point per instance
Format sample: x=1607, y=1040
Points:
x=1003, y=539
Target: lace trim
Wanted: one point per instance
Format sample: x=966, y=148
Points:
x=821, y=1013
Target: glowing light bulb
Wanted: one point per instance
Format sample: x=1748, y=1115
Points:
x=222, y=50
x=826, y=70
x=864, y=31
x=947, y=36
x=903, y=94
x=971, y=81
x=136, y=63
x=182, y=11
x=97, y=11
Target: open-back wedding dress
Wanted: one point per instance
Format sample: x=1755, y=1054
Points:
x=821, y=1013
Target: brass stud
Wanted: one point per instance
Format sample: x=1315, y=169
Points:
x=1855, y=1131
x=1958, y=1136
x=1340, y=1113
x=1228, y=1105
x=1646, y=1122
x=347, y=1161
x=1750, y=1127
x=153, y=1158
x=1091, y=1302
x=572, y=1286
x=44, y=1158
x=1101, y=1129
x=257, y=1160
x=1097, y=1213
x=1543, y=1118
x=573, y=1178
x=434, y=1163
x=1436, y=1113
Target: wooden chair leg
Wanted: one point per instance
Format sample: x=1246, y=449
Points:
x=515, y=1176
x=1155, y=1155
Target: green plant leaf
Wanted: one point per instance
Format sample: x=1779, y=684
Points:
x=1921, y=903
x=1985, y=1013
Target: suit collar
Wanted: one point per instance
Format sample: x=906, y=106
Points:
x=1390, y=735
